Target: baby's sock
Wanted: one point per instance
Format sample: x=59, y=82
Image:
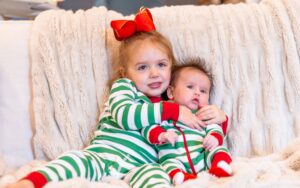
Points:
x=178, y=177
x=220, y=165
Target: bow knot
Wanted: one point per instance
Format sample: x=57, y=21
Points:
x=143, y=22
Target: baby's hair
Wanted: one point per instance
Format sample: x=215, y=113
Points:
x=196, y=63
x=124, y=54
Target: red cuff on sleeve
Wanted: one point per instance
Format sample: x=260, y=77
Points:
x=154, y=134
x=218, y=137
x=170, y=111
x=224, y=126
x=37, y=178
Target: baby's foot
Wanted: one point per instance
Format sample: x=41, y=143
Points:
x=222, y=169
x=178, y=178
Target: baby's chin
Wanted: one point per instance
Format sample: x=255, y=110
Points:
x=193, y=107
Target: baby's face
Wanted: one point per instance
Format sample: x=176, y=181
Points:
x=191, y=89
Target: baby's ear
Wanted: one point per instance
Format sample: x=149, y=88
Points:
x=170, y=92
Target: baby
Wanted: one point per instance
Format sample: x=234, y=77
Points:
x=184, y=152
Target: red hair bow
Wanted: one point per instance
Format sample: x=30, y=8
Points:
x=143, y=22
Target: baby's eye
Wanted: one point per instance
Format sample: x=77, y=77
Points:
x=190, y=86
x=142, y=67
x=203, y=91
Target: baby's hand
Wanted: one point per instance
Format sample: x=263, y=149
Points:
x=211, y=114
x=189, y=119
x=169, y=136
x=210, y=142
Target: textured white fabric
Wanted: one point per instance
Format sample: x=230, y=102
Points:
x=279, y=170
x=15, y=118
x=69, y=75
x=253, y=51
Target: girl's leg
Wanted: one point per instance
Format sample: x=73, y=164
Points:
x=93, y=163
x=148, y=176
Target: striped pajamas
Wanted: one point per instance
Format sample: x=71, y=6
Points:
x=175, y=157
x=118, y=146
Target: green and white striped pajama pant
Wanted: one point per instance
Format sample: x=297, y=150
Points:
x=175, y=157
x=118, y=147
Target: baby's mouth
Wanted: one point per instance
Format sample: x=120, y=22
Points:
x=195, y=101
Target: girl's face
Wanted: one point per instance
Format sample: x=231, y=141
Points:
x=191, y=89
x=149, y=67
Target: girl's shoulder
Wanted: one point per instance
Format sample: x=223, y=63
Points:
x=125, y=82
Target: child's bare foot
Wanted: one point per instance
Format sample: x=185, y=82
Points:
x=21, y=184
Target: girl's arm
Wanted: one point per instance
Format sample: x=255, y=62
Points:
x=130, y=113
x=211, y=114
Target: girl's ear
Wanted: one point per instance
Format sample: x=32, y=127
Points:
x=122, y=72
x=170, y=92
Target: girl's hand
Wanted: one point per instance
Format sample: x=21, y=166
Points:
x=210, y=142
x=169, y=136
x=189, y=119
x=211, y=114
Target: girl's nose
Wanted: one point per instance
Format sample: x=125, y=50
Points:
x=153, y=72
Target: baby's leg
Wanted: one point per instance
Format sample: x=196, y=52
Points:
x=177, y=171
x=218, y=162
x=148, y=175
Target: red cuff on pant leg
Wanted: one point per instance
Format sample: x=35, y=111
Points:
x=174, y=172
x=37, y=178
x=221, y=156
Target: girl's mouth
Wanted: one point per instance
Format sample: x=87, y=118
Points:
x=155, y=85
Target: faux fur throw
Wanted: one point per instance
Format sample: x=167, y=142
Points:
x=252, y=49
x=69, y=75
x=279, y=170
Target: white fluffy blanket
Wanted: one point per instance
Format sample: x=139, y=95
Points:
x=253, y=50
x=279, y=170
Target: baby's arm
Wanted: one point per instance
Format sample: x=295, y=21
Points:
x=169, y=136
x=157, y=135
x=214, y=137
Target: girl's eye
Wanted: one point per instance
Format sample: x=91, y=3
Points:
x=162, y=64
x=142, y=67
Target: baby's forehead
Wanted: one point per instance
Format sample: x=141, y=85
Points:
x=192, y=75
x=192, y=72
